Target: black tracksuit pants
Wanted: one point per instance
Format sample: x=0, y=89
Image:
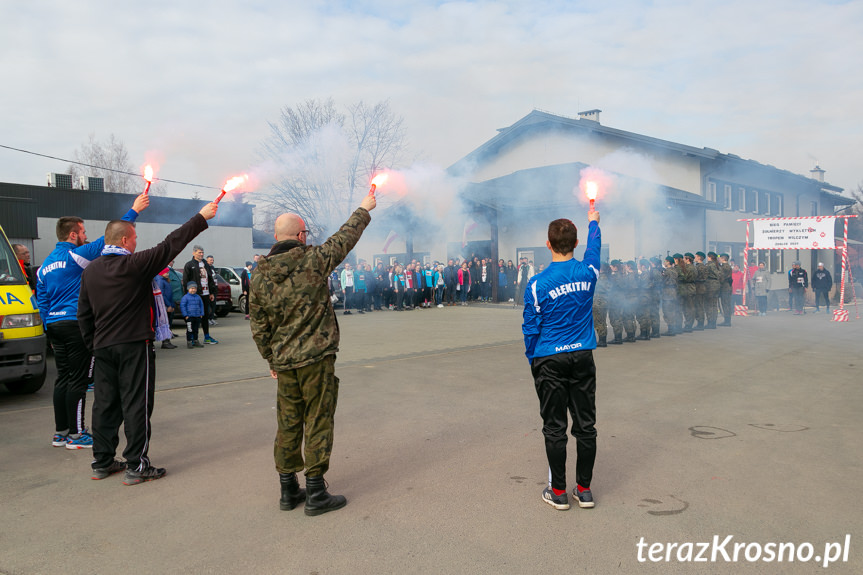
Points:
x=124, y=390
x=74, y=373
x=567, y=382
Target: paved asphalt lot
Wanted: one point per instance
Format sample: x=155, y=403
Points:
x=752, y=432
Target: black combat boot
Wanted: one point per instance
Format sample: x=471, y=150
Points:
x=618, y=339
x=602, y=342
x=699, y=325
x=318, y=501
x=630, y=338
x=655, y=333
x=292, y=495
x=645, y=335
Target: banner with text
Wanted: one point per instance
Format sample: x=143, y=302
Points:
x=815, y=233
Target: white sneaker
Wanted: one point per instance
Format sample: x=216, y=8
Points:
x=440, y=305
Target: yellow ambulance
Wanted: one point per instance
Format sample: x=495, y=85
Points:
x=22, y=337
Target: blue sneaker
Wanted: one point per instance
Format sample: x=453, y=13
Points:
x=85, y=441
x=59, y=440
x=210, y=340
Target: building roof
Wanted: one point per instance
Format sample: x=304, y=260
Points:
x=539, y=121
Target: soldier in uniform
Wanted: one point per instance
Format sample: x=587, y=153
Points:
x=655, y=295
x=670, y=310
x=600, y=306
x=686, y=291
x=700, y=291
x=616, y=300
x=711, y=284
x=630, y=300
x=725, y=289
x=294, y=327
x=645, y=291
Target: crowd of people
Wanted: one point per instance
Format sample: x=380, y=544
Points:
x=416, y=285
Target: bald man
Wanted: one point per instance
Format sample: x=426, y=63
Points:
x=294, y=326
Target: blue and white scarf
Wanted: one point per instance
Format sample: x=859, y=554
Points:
x=116, y=250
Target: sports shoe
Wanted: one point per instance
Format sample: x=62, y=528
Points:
x=168, y=345
x=557, y=501
x=440, y=305
x=85, y=441
x=197, y=344
x=103, y=472
x=585, y=498
x=59, y=440
x=134, y=477
x=210, y=340
x=190, y=344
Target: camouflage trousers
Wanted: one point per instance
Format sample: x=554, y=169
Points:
x=711, y=302
x=725, y=303
x=600, y=313
x=306, y=404
x=687, y=306
x=654, y=313
x=700, y=298
x=642, y=314
x=670, y=313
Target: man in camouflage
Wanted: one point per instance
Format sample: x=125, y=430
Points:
x=700, y=291
x=711, y=296
x=630, y=300
x=600, y=306
x=645, y=291
x=725, y=289
x=686, y=290
x=655, y=295
x=670, y=309
x=616, y=298
x=295, y=328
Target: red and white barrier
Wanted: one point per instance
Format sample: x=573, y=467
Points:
x=741, y=310
x=840, y=315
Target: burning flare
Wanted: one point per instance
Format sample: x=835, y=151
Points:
x=148, y=175
x=231, y=185
x=590, y=188
x=377, y=181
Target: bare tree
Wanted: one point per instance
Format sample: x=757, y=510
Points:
x=319, y=157
x=110, y=160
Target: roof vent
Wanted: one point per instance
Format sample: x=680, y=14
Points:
x=817, y=173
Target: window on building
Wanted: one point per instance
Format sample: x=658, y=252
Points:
x=711, y=192
x=765, y=203
x=776, y=204
x=813, y=208
x=752, y=201
x=776, y=262
x=741, y=199
x=726, y=197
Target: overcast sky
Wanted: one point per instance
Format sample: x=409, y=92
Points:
x=777, y=81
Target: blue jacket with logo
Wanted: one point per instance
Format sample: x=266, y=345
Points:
x=59, y=279
x=558, y=304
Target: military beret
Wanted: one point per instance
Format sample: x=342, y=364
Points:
x=615, y=262
x=678, y=256
x=711, y=254
x=630, y=263
x=723, y=255
x=644, y=262
x=669, y=259
x=655, y=260
x=689, y=255
x=700, y=254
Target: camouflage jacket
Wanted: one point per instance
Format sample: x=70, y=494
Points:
x=686, y=280
x=292, y=318
x=669, y=284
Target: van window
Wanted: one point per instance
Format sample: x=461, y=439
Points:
x=10, y=270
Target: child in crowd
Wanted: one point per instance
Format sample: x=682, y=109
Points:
x=192, y=309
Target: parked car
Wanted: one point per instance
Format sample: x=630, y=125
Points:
x=223, y=296
x=232, y=276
